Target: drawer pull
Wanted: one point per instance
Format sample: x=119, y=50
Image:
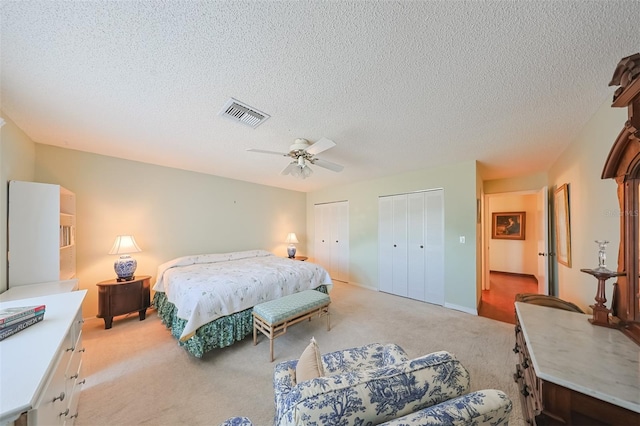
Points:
x=516, y=348
x=524, y=391
x=75, y=376
x=82, y=382
x=64, y=413
x=74, y=416
x=525, y=363
x=82, y=350
x=60, y=397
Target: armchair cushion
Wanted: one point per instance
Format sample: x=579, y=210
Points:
x=367, y=385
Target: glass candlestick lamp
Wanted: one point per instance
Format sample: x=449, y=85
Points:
x=602, y=255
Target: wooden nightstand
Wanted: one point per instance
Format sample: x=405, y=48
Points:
x=123, y=297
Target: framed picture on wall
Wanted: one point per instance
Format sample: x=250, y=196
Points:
x=563, y=227
x=508, y=225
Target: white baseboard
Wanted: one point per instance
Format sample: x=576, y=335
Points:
x=461, y=308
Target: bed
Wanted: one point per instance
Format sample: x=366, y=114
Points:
x=206, y=300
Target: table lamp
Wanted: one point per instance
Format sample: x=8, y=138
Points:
x=292, y=240
x=125, y=265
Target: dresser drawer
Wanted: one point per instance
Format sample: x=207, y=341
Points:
x=54, y=400
x=75, y=386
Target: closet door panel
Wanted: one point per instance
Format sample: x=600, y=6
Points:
x=321, y=246
x=340, y=241
x=434, y=277
x=385, y=244
x=399, y=258
x=415, y=247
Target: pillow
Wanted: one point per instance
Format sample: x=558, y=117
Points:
x=310, y=364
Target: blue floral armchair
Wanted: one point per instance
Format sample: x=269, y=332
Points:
x=378, y=384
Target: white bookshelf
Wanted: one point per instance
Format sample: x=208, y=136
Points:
x=42, y=227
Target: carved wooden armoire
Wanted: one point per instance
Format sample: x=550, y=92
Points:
x=623, y=165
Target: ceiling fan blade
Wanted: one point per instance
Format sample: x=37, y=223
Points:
x=328, y=165
x=292, y=165
x=262, y=151
x=320, y=146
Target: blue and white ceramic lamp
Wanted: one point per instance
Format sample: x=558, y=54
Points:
x=125, y=266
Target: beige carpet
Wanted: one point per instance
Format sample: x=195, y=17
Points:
x=138, y=375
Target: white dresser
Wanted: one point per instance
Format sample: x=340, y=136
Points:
x=41, y=366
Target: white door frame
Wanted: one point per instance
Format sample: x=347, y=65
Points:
x=486, y=233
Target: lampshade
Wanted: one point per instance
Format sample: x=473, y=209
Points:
x=125, y=265
x=291, y=238
x=124, y=244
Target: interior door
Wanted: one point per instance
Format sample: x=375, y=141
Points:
x=542, y=218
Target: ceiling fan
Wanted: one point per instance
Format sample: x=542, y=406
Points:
x=303, y=152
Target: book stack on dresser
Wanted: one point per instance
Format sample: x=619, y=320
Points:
x=16, y=319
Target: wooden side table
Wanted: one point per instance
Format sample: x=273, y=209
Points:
x=123, y=297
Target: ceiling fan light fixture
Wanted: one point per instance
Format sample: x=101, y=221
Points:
x=301, y=171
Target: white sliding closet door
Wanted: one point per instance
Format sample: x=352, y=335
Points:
x=411, y=245
x=331, y=243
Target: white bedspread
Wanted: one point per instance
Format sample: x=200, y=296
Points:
x=206, y=287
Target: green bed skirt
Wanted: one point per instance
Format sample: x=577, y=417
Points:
x=219, y=333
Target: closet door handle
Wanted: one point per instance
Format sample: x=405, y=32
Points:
x=421, y=246
x=395, y=245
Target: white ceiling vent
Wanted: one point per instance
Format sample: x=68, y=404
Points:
x=243, y=113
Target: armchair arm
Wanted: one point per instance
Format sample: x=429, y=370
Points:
x=284, y=381
x=489, y=407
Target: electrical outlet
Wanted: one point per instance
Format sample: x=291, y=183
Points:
x=461, y=240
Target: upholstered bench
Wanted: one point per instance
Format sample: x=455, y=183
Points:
x=272, y=318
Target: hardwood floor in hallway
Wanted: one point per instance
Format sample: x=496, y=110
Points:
x=497, y=303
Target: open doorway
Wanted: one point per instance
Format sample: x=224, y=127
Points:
x=513, y=265
x=497, y=303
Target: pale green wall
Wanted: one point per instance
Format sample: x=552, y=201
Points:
x=593, y=203
x=17, y=159
x=521, y=183
x=459, y=184
x=171, y=212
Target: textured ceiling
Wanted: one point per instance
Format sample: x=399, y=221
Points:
x=398, y=86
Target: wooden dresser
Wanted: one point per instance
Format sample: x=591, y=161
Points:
x=573, y=373
x=41, y=366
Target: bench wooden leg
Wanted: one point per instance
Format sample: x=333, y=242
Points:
x=328, y=316
x=255, y=334
x=271, y=348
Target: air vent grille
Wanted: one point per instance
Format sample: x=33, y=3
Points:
x=243, y=113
